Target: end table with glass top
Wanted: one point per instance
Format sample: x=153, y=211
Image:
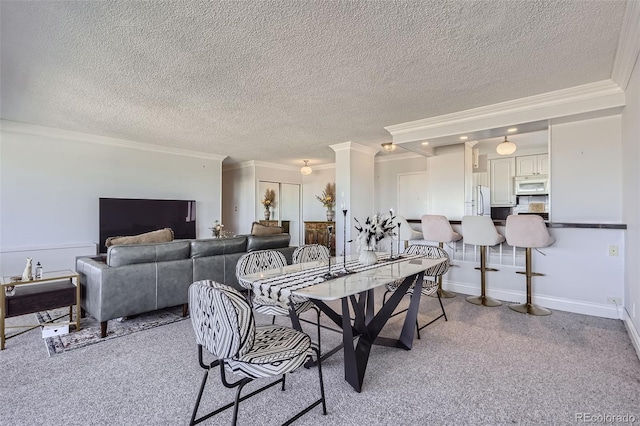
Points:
x=56, y=289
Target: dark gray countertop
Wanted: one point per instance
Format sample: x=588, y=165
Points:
x=552, y=224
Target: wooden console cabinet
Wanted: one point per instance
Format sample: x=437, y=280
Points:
x=285, y=224
x=316, y=233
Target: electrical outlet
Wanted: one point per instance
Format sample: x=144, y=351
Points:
x=613, y=250
x=615, y=300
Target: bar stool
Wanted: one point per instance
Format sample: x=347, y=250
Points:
x=437, y=228
x=406, y=232
x=480, y=231
x=528, y=231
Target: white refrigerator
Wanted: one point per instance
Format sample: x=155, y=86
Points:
x=481, y=201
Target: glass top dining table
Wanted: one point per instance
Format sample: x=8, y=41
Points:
x=352, y=283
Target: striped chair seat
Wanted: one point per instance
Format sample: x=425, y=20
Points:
x=276, y=350
x=428, y=287
x=224, y=325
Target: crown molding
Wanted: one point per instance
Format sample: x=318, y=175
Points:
x=628, y=45
x=254, y=163
x=352, y=146
x=396, y=157
x=51, y=132
x=592, y=96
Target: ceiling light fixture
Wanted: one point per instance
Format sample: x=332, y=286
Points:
x=306, y=170
x=464, y=138
x=506, y=147
x=389, y=146
x=513, y=129
x=425, y=143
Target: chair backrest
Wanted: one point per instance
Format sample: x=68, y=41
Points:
x=431, y=252
x=407, y=233
x=437, y=228
x=527, y=231
x=480, y=230
x=257, y=261
x=310, y=252
x=222, y=319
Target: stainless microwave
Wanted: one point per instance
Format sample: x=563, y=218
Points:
x=532, y=185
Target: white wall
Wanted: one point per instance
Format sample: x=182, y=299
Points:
x=314, y=184
x=586, y=164
x=387, y=170
x=446, y=194
x=51, y=180
x=631, y=201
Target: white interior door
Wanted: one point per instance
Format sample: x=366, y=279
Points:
x=290, y=210
x=412, y=195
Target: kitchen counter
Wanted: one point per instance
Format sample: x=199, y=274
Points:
x=551, y=224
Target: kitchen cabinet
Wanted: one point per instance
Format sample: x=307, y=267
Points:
x=529, y=165
x=501, y=175
x=317, y=233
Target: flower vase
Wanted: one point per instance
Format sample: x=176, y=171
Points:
x=267, y=214
x=368, y=257
x=330, y=215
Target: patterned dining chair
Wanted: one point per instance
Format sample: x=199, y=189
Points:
x=431, y=275
x=309, y=253
x=262, y=260
x=224, y=325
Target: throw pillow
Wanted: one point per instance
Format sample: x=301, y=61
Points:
x=160, y=236
x=259, y=229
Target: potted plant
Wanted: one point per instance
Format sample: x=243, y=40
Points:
x=268, y=201
x=373, y=230
x=328, y=199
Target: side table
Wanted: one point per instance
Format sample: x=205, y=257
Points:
x=56, y=289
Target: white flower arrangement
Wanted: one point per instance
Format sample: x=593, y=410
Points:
x=216, y=229
x=373, y=231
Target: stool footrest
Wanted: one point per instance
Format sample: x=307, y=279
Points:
x=531, y=309
x=533, y=274
x=484, y=301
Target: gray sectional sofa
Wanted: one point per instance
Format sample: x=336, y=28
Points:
x=133, y=279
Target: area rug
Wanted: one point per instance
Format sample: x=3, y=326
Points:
x=90, y=331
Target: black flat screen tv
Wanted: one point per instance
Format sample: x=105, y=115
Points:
x=130, y=216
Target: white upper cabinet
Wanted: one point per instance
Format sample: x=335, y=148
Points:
x=502, y=172
x=529, y=165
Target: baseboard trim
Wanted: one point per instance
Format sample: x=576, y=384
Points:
x=568, y=305
x=632, y=331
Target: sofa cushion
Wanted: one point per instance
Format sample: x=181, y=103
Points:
x=145, y=253
x=160, y=236
x=266, y=242
x=259, y=229
x=217, y=246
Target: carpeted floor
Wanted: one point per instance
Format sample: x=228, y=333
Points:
x=485, y=366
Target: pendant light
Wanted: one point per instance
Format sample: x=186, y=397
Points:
x=506, y=147
x=306, y=170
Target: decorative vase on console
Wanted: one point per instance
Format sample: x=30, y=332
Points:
x=330, y=215
x=328, y=200
x=268, y=201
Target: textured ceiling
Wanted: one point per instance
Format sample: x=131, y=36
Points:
x=280, y=81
